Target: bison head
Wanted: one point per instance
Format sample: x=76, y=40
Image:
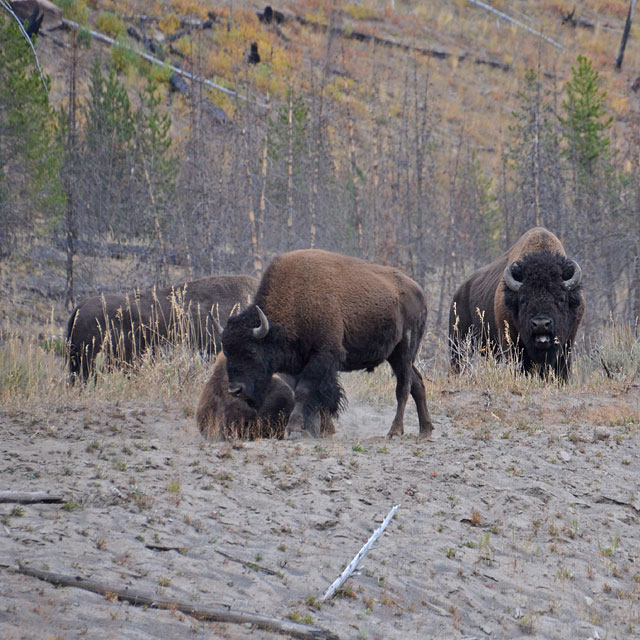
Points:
x=247, y=341
x=542, y=292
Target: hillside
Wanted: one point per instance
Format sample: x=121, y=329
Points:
x=474, y=60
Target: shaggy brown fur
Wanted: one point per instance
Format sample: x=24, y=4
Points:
x=221, y=416
x=328, y=313
x=128, y=324
x=479, y=306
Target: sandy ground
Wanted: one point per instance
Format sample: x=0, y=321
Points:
x=519, y=518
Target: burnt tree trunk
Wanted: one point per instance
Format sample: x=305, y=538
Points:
x=625, y=34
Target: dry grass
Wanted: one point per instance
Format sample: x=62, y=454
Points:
x=32, y=372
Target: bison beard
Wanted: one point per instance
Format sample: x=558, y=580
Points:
x=528, y=302
x=317, y=313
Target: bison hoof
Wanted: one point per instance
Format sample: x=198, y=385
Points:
x=425, y=433
x=297, y=435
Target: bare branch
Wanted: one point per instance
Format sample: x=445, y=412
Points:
x=217, y=614
x=351, y=567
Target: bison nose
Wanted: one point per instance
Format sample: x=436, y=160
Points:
x=237, y=389
x=541, y=324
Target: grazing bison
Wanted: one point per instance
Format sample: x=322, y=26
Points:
x=528, y=300
x=316, y=313
x=125, y=325
x=221, y=416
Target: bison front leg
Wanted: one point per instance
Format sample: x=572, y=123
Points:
x=318, y=394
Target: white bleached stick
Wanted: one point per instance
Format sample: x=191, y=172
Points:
x=351, y=567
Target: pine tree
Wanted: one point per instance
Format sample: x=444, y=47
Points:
x=29, y=160
x=108, y=157
x=594, y=205
x=585, y=123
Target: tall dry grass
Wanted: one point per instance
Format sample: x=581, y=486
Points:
x=164, y=366
x=34, y=378
x=609, y=362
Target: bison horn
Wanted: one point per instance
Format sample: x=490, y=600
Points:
x=216, y=325
x=510, y=281
x=261, y=331
x=575, y=279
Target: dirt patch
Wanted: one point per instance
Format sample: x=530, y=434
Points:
x=518, y=518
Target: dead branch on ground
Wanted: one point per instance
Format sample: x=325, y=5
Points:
x=212, y=613
x=29, y=497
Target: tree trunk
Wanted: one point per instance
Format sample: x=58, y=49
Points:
x=256, y=250
x=70, y=219
x=290, y=170
x=262, y=208
x=625, y=34
x=357, y=219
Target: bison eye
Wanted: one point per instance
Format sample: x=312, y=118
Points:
x=562, y=299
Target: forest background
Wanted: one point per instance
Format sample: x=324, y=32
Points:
x=428, y=136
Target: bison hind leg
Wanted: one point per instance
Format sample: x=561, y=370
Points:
x=408, y=380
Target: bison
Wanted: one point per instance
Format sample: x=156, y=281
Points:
x=528, y=301
x=316, y=313
x=125, y=325
x=221, y=416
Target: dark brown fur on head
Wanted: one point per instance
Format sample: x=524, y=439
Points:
x=542, y=295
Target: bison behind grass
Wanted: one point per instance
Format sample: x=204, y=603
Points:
x=124, y=326
x=317, y=313
x=528, y=302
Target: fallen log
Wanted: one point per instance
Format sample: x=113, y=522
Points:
x=213, y=614
x=387, y=42
x=70, y=24
x=29, y=497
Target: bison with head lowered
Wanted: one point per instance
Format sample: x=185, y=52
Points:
x=528, y=301
x=317, y=313
x=221, y=416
